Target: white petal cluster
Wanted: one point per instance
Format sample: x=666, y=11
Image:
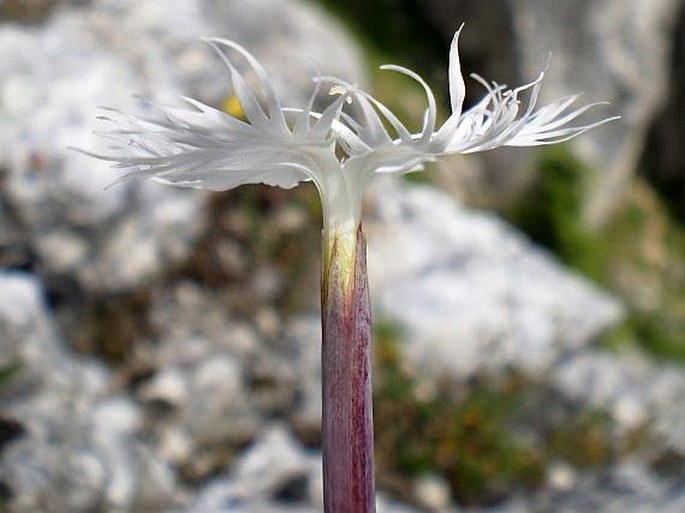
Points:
x=339, y=148
x=498, y=119
x=207, y=148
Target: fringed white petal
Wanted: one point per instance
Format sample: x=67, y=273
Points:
x=370, y=129
x=369, y=146
x=431, y=112
x=497, y=121
x=456, y=79
x=204, y=147
x=273, y=105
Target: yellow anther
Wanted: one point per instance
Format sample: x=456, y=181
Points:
x=231, y=105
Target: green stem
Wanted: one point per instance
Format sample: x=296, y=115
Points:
x=347, y=425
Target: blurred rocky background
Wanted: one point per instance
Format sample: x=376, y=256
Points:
x=159, y=348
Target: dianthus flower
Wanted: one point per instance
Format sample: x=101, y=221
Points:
x=339, y=149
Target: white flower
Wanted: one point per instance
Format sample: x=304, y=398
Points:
x=497, y=120
x=207, y=148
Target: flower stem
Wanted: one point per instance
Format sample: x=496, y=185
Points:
x=347, y=426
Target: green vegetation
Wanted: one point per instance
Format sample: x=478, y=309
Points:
x=478, y=436
x=8, y=371
x=391, y=27
x=552, y=213
x=639, y=254
x=464, y=440
x=397, y=32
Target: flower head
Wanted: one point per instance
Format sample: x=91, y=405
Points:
x=207, y=148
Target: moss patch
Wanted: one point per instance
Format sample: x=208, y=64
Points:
x=466, y=440
x=488, y=438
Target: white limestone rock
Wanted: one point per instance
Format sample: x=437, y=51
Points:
x=604, y=49
x=470, y=293
x=79, y=450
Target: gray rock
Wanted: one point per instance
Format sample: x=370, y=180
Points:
x=469, y=292
x=386, y=505
x=224, y=413
x=104, y=239
x=274, y=465
x=79, y=450
x=604, y=49
x=274, y=474
x=80, y=454
x=292, y=38
x=634, y=390
x=206, y=355
x=626, y=487
x=28, y=338
x=432, y=492
x=305, y=335
x=274, y=459
x=242, y=377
